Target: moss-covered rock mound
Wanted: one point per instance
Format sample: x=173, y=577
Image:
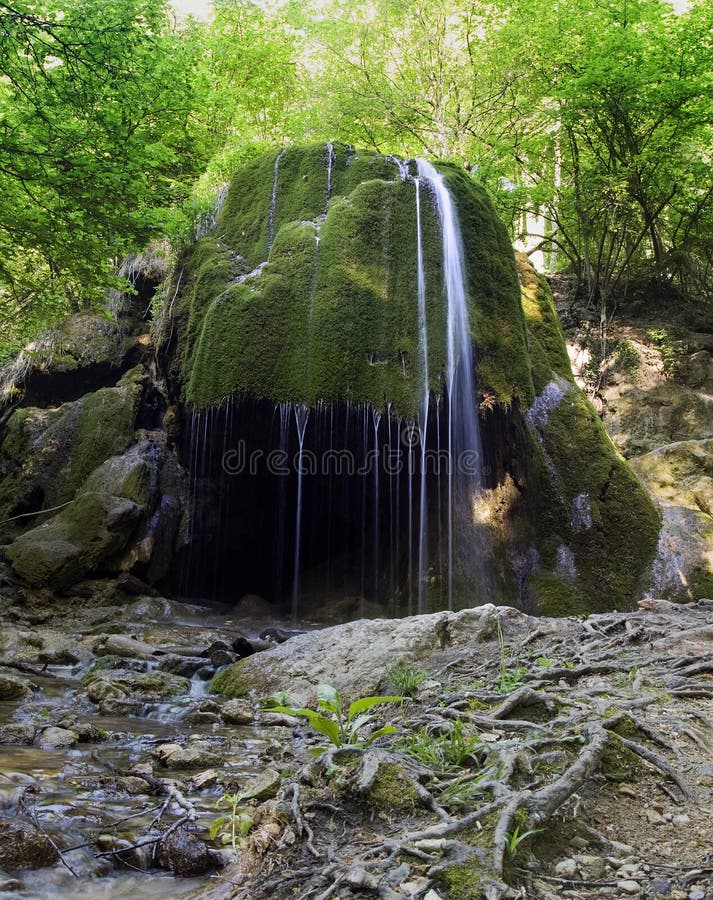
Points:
x=306, y=291
x=309, y=283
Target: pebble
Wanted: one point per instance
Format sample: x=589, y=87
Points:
x=682, y=820
x=567, y=868
x=653, y=817
x=237, y=712
x=696, y=894
x=628, y=887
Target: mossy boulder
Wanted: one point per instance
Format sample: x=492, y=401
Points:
x=24, y=846
x=597, y=526
x=680, y=474
x=308, y=286
x=75, y=542
x=47, y=454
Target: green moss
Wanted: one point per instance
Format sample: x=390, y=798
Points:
x=467, y=881
x=596, y=507
x=331, y=312
x=546, y=341
x=231, y=682
x=393, y=789
x=105, y=428
x=555, y=596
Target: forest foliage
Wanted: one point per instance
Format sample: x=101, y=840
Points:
x=118, y=124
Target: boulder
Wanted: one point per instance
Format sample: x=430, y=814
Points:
x=52, y=738
x=198, y=754
x=683, y=567
x=185, y=854
x=354, y=657
x=47, y=454
x=76, y=541
x=13, y=688
x=680, y=474
x=23, y=846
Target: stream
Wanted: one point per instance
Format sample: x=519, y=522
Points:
x=90, y=797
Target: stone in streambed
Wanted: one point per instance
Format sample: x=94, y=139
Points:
x=185, y=854
x=264, y=787
x=12, y=688
x=237, y=712
x=17, y=733
x=53, y=738
x=22, y=846
x=197, y=755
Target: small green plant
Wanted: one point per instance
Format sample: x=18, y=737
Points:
x=545, y=661
x=514, y=838
x=452, y=750
x=340, y=726
x=509, y=678
x=235, y=825
x=465, y=791
x=405, y=679
x=279, y=698
x=627, y=357
x=670, y=352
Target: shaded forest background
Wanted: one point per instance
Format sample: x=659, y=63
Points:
x=118, y=125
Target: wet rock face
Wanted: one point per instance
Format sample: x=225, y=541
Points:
x=22, y=846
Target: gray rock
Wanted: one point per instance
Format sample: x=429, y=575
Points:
x=197, y=755
x=12, y=688
x=264, y=787
x=592, y=868
x=51, y=738
x=628, y=887
x=566, y=868
x=237, y=712
x=353, y=657
x=121, y=645
x=22, y=846
x=182, y=665
x=17, y=733
x=185, y=854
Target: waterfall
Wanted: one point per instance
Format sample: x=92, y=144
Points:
x=330, y=163
x=273, y=201
x=403, y=537
x=376, y=418
x=301, y=417
x=463, y=428
x=283, y=409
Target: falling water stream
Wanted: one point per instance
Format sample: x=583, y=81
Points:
x=463, y=427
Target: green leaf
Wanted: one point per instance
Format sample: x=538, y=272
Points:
x=216, y=826
x=328, y=698
x=328, y=727
x=380, y=732
x=365, y=703
x=360, y=722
